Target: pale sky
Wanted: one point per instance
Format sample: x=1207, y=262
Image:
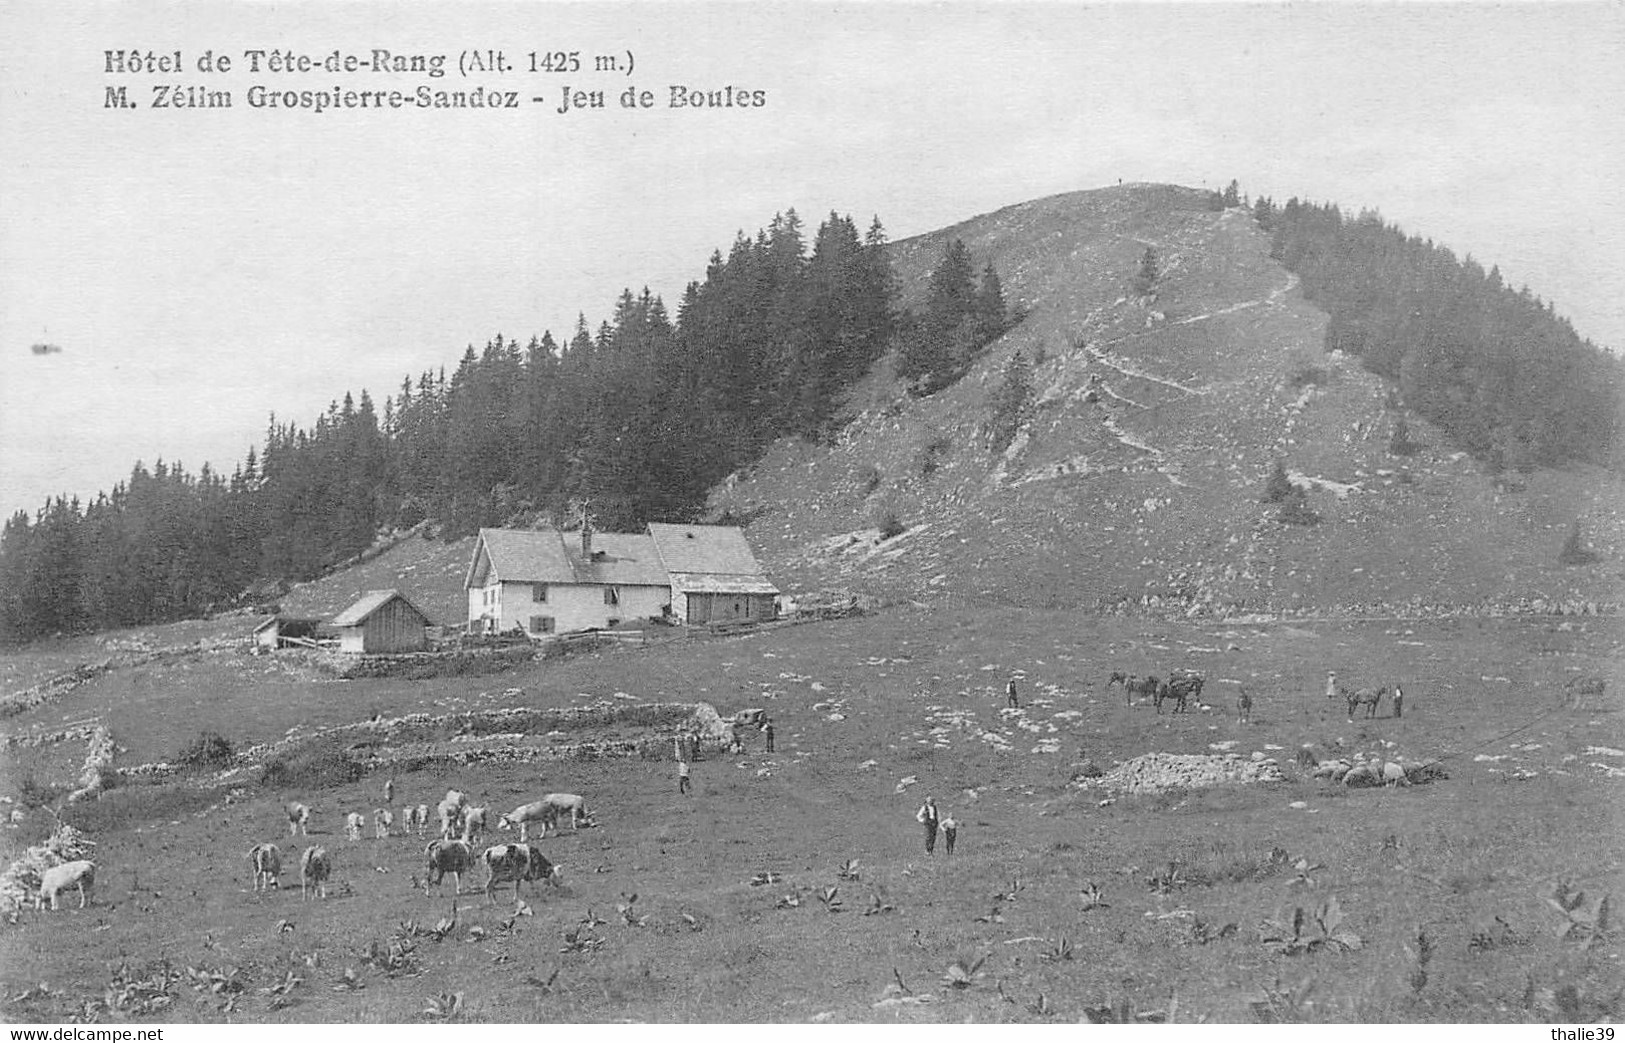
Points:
x=201, y=268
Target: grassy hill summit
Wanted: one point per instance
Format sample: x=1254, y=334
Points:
x=1126, y=468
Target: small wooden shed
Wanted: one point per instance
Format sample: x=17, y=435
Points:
x=382, y=621
x=280, y=631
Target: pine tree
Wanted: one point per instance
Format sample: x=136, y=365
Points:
x=1146, y=278
x=1278, y=486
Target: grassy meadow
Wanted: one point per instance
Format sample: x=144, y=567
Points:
x=1060, y=903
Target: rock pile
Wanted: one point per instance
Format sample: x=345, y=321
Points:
x=97, y=759
x=1154, y=772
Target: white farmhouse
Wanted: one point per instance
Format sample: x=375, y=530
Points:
x=545, y=581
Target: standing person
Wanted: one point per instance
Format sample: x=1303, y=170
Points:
x=1010, y=694
x=694, y=745
x=1399, y=702
x=389, y=791
x=768, y=731
x=927, y=817
x=682, y=777
x=1244, y=707
x=950, y=830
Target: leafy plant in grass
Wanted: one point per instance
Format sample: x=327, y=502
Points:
x=847, y=870
x=963, y=971
x=831, y=897
x=1059, y=952
x=1308, y=931
x=1166, y=881
x=1290, y=1003
x=1093, y=897
x=1587, y=928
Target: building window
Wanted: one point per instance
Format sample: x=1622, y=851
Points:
x=541, y=624
x=612, y=596
x=538, y=592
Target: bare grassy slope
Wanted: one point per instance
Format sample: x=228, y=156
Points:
x=1149, y=486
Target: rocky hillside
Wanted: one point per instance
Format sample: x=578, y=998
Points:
x=1136, y=483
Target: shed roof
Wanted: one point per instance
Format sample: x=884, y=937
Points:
x=717, y=583
x=369, y=603
x=714, y=549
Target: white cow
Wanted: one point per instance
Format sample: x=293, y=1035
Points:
x=523, y=816
x=447, y=856
x=266, y=862
x=382, y=820
x=451, y=813
x=517, y=863
x=563, y=804
x=473, y=824
x=298, y=819
x=422, y=816
x=55, y=880
x=353, y=823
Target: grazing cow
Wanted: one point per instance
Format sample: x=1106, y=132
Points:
x=298, y=819
x=315, y=866
x=266, y=862
x=473, y=824
x=447, y=856
x=517, y=863
x=561, y=804
x=451, y=813
x=523, y=816
x=1367, y=697
x=421, y=813
x=1244, y=707
x=382, y=820
x=55, y=880
x=1133, y=685
x=353, y=823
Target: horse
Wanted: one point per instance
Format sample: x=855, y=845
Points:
x=1134, y=685
x=1367, y=697
x=1171, y=690
x=1183, y=686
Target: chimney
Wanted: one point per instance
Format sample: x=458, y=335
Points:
x=586, y=539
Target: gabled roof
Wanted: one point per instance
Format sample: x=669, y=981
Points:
x=550, y=556
x=523, y=556
x=371, y=602
x=716, y=549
